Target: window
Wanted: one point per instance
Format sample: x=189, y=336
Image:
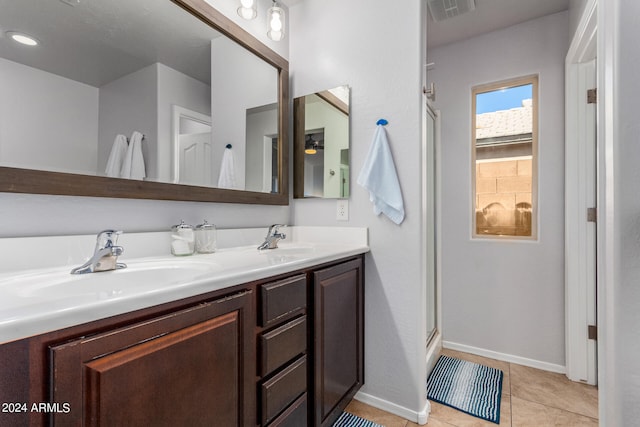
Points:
x=504, y=160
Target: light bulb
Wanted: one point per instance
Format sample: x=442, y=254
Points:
x=276, y=36
x=246, y=13
x=248, y=9
x=276, y=25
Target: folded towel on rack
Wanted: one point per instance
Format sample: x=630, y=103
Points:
x=116, y=157
x=227, y=177
x=133, y=165
x=378, y=175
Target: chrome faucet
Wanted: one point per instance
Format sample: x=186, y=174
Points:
x=105, y=255
x=273, y=237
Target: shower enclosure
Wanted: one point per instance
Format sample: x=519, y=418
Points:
x=430, y=175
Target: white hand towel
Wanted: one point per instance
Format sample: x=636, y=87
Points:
x=133, y=165
x=378, y=175
x=227, y=178
x=116, y=157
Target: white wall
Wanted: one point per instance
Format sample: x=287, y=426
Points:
x=261, y=123
x=576, y=8
x=378, y=51
x=141, y=101
x=244, y=82
x=33, y=215
x=504, y=296
x=618, y=213
x=129, y=104
x=37, y=109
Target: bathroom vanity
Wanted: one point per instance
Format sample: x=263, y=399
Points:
x=283, y=349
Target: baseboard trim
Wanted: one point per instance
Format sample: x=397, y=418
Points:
x=532, y=363
x=417, y=417
x=423, y=416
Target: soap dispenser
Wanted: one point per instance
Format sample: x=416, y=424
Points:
x=182, y=239
x=206, y=237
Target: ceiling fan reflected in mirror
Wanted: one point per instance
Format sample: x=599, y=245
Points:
x=313, y=142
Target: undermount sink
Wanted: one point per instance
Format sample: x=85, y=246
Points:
x=290, y=249
x=138, y=277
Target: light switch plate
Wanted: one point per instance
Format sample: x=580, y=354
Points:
x=342, y=212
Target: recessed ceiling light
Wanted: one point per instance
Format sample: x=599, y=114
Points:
x=23, y=38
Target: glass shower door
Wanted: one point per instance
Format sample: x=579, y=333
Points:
x=430, y=212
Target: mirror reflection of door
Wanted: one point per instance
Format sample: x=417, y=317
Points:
x=261, y=149
x=344, y=173
x=271, y=177
x=193, y=154
x=321, y=150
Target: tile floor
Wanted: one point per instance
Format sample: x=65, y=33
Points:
x=530, y=398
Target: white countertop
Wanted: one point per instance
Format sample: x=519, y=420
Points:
x=45, y=297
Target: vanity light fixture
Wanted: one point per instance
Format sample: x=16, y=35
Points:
x=248, y=9
x=23, y=38
x=275, y=22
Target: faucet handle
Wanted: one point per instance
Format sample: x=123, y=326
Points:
x=107, y=238
x=274, y=229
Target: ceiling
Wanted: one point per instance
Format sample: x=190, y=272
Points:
x=96, y=42
x=290, y=3
x=77, y=42
x=489, y=15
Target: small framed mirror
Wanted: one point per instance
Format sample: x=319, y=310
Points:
x=321, y=144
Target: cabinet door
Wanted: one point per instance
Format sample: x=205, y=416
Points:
x=338, y=339
x=185, y=368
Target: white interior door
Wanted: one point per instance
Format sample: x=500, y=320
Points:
x=196, y=159
x=580, y=196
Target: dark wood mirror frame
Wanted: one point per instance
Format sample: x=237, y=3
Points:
x=15, y=180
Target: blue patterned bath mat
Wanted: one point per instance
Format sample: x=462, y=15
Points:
x=469, y=387
x=350, y=420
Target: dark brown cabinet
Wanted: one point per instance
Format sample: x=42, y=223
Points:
x=280, y=352
x=338, y=369
x=185, y=368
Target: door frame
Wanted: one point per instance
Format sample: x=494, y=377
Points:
x=580, y=194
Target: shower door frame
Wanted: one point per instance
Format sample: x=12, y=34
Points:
x=430, y=208
x=431, y=203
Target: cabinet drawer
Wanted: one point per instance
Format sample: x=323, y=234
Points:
x=278, y=392
x=294, y=416
x=283, y=344
x=283, y=299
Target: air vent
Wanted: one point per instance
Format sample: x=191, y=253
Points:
x=444, y=9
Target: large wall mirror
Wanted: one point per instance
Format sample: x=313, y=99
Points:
x=155, y=99
x=321, y=145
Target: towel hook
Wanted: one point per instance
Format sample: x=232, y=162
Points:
x=229, y=146
x=382, y=122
